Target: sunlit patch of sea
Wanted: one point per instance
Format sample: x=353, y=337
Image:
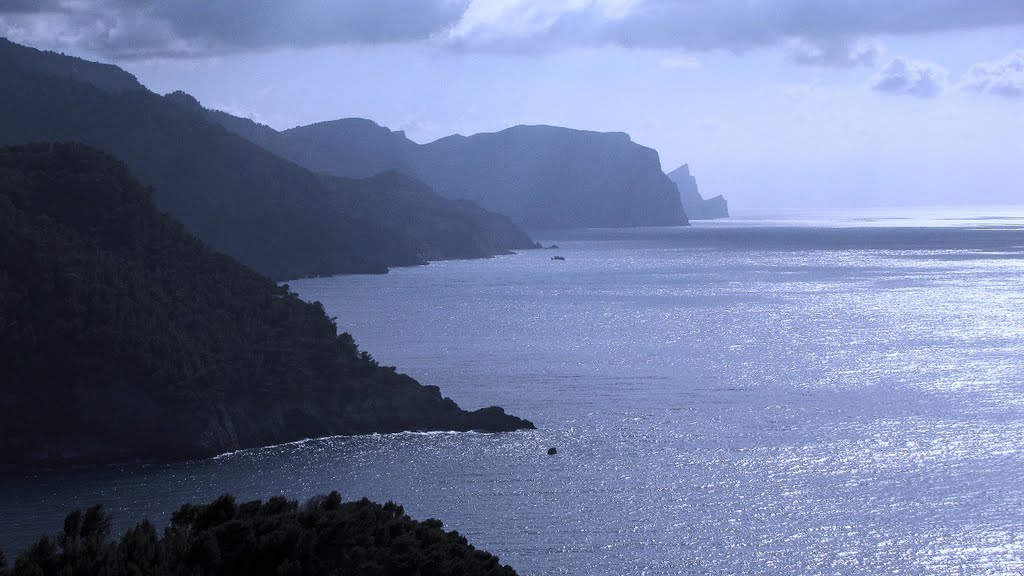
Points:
x=748, y=398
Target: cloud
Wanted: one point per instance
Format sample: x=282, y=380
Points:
x=830, y=31
x=911, y=77
x=680, y=62
x=818, y=32
x=1000, y=77
x=28, y=6
x=838, y=52
x=133, y=29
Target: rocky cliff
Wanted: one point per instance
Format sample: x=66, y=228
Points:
x=539, y=176
x=696, y=207
x=235, y=195
x=550, y=177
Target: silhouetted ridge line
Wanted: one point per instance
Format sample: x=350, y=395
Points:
x=276, y=537
x=243, y=200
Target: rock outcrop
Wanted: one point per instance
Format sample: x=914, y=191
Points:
x=539, y=176
x=696, y=207
x=242, y=199
x=549, y=177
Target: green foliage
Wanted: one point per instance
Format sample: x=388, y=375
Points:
x=323, y=536
x=122, y=337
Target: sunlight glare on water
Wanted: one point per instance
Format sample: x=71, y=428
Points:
x=724, y=399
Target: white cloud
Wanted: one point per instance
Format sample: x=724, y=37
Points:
x=820, y=32
x=837, y=52
x=1003, y=77
x=680, y=62
x=911, y=77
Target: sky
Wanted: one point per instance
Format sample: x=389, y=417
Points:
x=777, y=104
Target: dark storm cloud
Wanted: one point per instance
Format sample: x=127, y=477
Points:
x=127, y=28
x=910, y=78
x=27, y=6
x=828, y=32
x=251, y=24
x=819, y=32
x=743, y=23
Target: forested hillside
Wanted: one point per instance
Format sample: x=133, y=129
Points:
x=124, y=337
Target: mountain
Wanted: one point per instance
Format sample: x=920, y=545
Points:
x=243, y=200
x=106, y=77
x=539, y=176
x=351, y=147
x=697, y=208
x=401, y=205
x=549, y=177
x=123, y=337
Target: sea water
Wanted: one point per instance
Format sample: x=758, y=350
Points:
x=748, y=397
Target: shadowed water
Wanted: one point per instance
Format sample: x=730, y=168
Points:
x=755, y=397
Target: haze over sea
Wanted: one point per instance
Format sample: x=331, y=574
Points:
x=754, y=396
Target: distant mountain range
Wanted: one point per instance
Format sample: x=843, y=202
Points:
x=122, y=337
x=539, y=176
x=279, y=218
x=134, y=319
x=697, y=208
x=286, y=221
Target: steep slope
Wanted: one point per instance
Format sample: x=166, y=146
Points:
x=352, y=147
x=549, y=177
x=106, y=77
x=697, y=208
x=235, y=195
x=123, y=337
x=400, y=204
x=539, y=176
x=349, y=147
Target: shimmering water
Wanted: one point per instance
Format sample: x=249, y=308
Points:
x=744, y=398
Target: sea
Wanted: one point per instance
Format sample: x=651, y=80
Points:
x=810, y=394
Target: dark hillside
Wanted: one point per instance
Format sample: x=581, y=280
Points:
x=123, y=337
x=238, y=197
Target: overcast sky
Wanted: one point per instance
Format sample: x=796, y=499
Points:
x=773, y=103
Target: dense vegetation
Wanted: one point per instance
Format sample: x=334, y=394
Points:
x=447, y=228
x=123, y=337
x=274, y=538
x=241, y=199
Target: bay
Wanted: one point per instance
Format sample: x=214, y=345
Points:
x=757, y=396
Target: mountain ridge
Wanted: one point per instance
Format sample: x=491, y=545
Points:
x=237, y=196
x=697, y=207
x=166, y=349
x=540, y=176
